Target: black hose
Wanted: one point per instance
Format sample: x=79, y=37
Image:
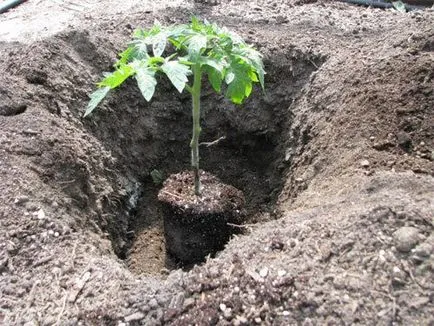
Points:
x=379, y=4
x=6, y=5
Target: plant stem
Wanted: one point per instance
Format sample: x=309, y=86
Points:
x=194, y=144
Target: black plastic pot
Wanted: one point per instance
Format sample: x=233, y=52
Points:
x=195, y=227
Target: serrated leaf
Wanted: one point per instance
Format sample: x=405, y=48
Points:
x=177, y=73
x=138, y=33
x=146, y=81
x=214, y=69
x=141, y=47
x=195, y=23
x=117, y=77
x=261, y=74
x=215, y=78
x=236, y=39
x=229, y=77
x=214, y=63
x=125, y=56
x=196, y=43
x=178, y=30
x=248, y=89
x=253, y=76
x=177, y=35
x=159, y=44
x=241, y=85
x=95, y=98
x=254, y=58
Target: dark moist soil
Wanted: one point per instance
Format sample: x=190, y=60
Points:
x=335, y=161
x=197, y=226
x=215, y=198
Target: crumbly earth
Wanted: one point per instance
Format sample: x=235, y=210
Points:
x=216, y=197
x=337, y=161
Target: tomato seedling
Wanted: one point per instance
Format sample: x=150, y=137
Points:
x=197, y=49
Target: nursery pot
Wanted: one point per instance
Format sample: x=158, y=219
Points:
x=198, y=226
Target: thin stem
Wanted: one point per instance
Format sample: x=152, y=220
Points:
x=194, y=144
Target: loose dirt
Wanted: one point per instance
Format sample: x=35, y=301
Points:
x=336, y=162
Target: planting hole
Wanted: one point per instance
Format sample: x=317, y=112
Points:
x=151, y=141
x=134, y=145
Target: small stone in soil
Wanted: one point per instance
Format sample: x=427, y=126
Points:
x=134, y=317
x=227, y=313
x=21, y=200
x=188, y=303
x=406, y=238
x=404, y=140
x=364, y=163
x=41, y=214
x=263, y=272
x=240, y=321
x=281, y=273
x=153, y=303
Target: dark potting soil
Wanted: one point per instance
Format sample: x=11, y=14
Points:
x=197, y=226
x=216, y=197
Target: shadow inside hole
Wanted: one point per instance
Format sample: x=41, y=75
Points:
x=155, y=136
x=14, y=109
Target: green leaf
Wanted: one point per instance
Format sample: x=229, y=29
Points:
x=254, y=58
x=177, y=35
x=253, y=76
x=248, y=89
x=195, y=23
x=214, y=63
x=95, y=98
x=214, y=68
x=177, y=73
x=220, y=53
x=155, y=61
x=241, y=85
x=261, y=73
x=125, y=56
x=215, y=78
x=117, y=77
x=177, y=31
x=138, y=33
x=196, y=43
x=141, y=47
x=229, y=77
x=159, y=44
x=145, y=80
x=236, y=39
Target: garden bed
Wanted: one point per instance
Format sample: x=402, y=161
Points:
x=335, y=161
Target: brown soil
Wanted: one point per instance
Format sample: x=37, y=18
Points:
x=336, y=163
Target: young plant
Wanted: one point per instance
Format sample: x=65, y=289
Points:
x=197, y=49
